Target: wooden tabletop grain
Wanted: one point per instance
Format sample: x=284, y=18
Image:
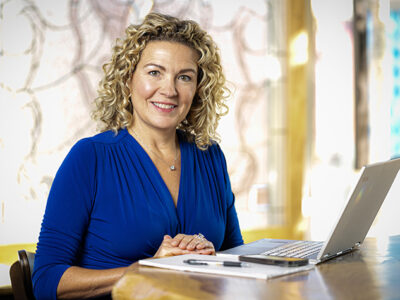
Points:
x=372, y=272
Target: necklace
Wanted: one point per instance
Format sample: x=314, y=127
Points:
x=171, y=167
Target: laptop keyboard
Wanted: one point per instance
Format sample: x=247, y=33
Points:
x=299, y=249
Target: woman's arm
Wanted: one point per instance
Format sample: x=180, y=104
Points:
x=80, y=283
x=233, y=236
x=66, y=220
x=77, y=282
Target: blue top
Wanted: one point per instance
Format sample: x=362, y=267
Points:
x=109, y=207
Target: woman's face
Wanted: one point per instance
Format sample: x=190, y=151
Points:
x=163, y=85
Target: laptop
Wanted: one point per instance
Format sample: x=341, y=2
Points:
x=348, y=232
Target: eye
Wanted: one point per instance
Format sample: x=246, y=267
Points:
x=185, y=77
x=154, y=73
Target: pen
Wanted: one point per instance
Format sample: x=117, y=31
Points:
x=224, y=263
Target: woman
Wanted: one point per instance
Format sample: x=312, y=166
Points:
x=153, y=183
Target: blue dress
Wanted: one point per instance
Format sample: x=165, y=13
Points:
x=109, y=207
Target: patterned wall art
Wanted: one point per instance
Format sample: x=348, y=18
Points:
x=51, y=54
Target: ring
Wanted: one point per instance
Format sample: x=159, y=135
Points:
x=200, y=236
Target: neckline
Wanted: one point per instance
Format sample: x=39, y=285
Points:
x=155, y=170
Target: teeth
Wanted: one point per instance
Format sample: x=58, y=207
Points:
x=161, y=105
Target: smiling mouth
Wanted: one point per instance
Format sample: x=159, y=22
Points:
x=164, y=106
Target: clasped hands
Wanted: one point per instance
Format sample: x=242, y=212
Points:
x=185, y=244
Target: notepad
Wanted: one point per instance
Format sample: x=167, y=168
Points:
x=252, y=271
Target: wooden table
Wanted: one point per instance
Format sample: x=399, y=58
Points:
x=373, y=272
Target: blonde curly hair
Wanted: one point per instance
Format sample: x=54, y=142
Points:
x=113, y=105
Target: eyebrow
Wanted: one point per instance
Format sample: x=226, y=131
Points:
x=163, y=68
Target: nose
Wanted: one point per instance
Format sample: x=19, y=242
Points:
x=168, y=87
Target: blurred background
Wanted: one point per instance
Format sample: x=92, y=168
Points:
x=315, y=96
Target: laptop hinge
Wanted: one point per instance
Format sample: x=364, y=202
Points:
x=329, y=256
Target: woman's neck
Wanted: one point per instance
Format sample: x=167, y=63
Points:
x=163, y=142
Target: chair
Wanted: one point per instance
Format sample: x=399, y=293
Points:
x=21, y=276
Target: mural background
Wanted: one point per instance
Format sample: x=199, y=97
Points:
x=50, y=65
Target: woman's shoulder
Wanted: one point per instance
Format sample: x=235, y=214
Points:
x=106, y=137
x=213, y=150
x=89, y=144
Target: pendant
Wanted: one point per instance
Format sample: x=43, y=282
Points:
x=172, y=168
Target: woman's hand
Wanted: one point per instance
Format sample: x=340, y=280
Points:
x=167, y=249
x=184, y=244
x=197, y=243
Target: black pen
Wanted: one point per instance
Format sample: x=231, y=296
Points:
x=224, y=263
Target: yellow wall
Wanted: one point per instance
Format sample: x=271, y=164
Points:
x=298, y=26
x=9, y=253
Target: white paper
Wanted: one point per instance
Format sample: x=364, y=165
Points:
x=253, y=271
